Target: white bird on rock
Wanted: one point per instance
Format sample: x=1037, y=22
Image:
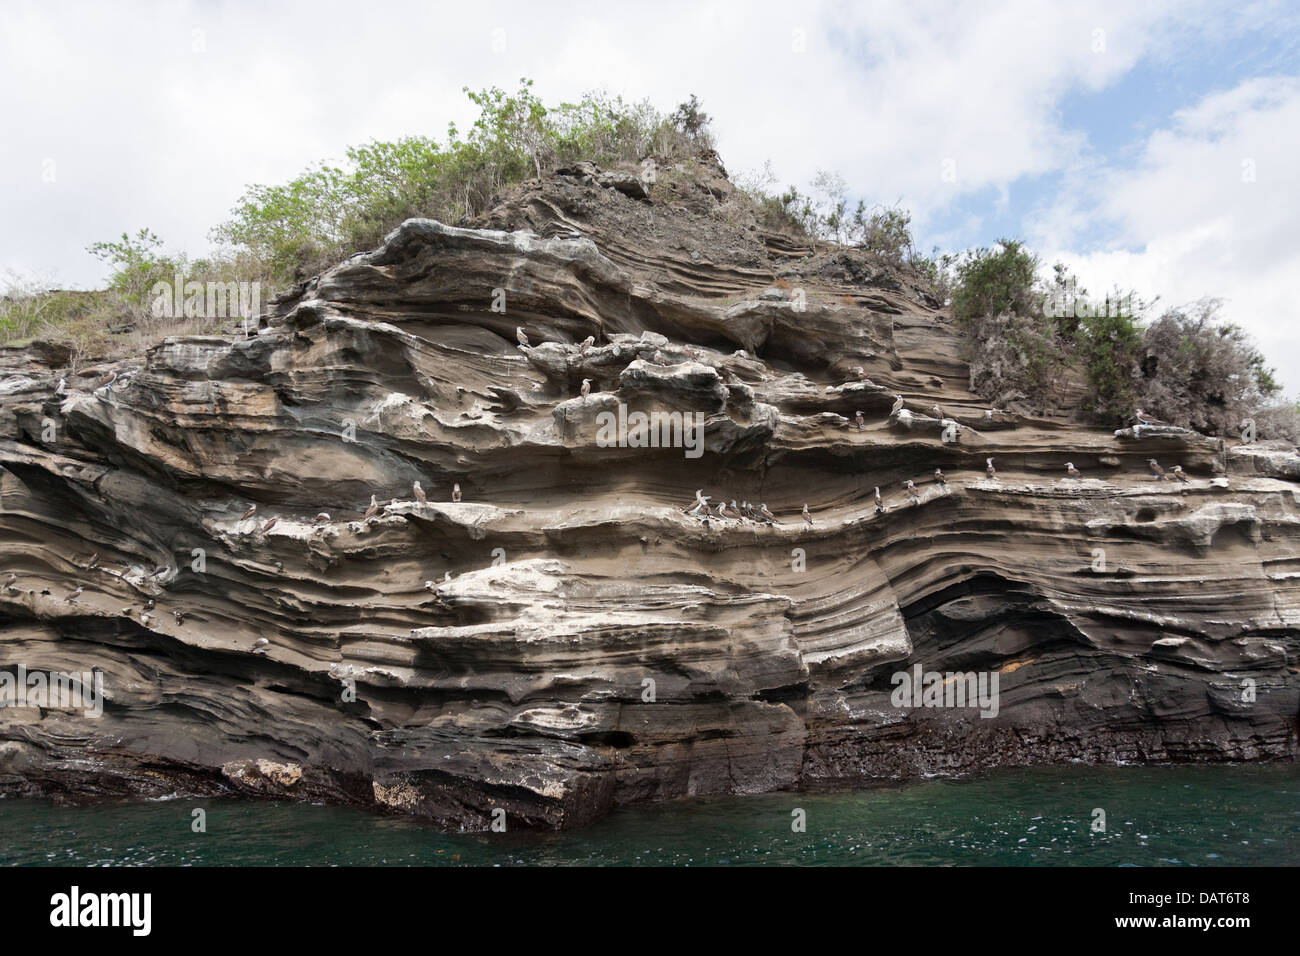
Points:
x=420, y=496
x=322, y=518
x=880, y=502
x=249, y=513
x=1156, y=470
x=912, y=492
x=372, y=510
x=1071, y=471
x=859, y=420
x=1178, y=473
x=73, y=595
x=521, y=337
x=260, y=645
x=586, y=388
x=455, y=492
x=898, y=405
x=940, y=477
x=989, y=469
x=938, y=412
x=587, y=343
x=762, y=509
x=807, y=518
x=61, y=387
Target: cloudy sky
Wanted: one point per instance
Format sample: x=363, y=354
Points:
x=1151, y=145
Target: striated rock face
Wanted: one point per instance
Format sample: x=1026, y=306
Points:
x=595, y=645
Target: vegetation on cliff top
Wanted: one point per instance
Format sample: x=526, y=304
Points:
x=1024, y=335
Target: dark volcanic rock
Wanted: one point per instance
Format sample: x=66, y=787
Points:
x=595, y=645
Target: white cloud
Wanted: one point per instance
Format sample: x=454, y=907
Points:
x=1208, y=210
x=145, y=130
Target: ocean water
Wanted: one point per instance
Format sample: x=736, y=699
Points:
x=1154, y=816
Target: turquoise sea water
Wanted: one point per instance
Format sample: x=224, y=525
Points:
x=1155, y=816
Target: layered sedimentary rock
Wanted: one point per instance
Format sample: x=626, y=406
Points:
x=567, y=638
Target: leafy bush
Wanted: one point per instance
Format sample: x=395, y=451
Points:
x=1202, y=373
x=1278, y=421
x=991, y=282
x=329, y=212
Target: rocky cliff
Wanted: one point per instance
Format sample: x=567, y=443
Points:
x=568, y=637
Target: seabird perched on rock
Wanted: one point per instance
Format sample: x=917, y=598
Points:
x=1145, y=419
x=420, y=496
x=1157, y=472
x=446, y=576
x=659, y=358
x=767, y=515
x=1178, y=473
x=733, y=511
x=989, y=469
x=249, y=513
x=912, y=492
x=586, y=388
x=939, y=476
x=586, y=343
x=145, y=619
x=898, y=405
x=92, y=561
x=701, y=501
x=61, y=387
x=322, y=518
x=861, y=373
x=431, y=587
x=269, y=525
x=859, y=420
x=988, y=414
x=880, y=502
x=108, y=382
x=73, y=595
x=180, y=616
x=372, y=510
x=1071, y=471
x=719, y=510
x=149, y=605
x=455, y=491
x=521, y=337
x=260, y=645
x=938, y=412
x=807, y=518
x=9, y=582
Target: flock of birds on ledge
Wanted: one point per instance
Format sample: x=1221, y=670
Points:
x=743, y=512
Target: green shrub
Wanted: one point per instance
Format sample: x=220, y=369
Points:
x=990, y=282
x=329, y=212
x=1200, y=372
